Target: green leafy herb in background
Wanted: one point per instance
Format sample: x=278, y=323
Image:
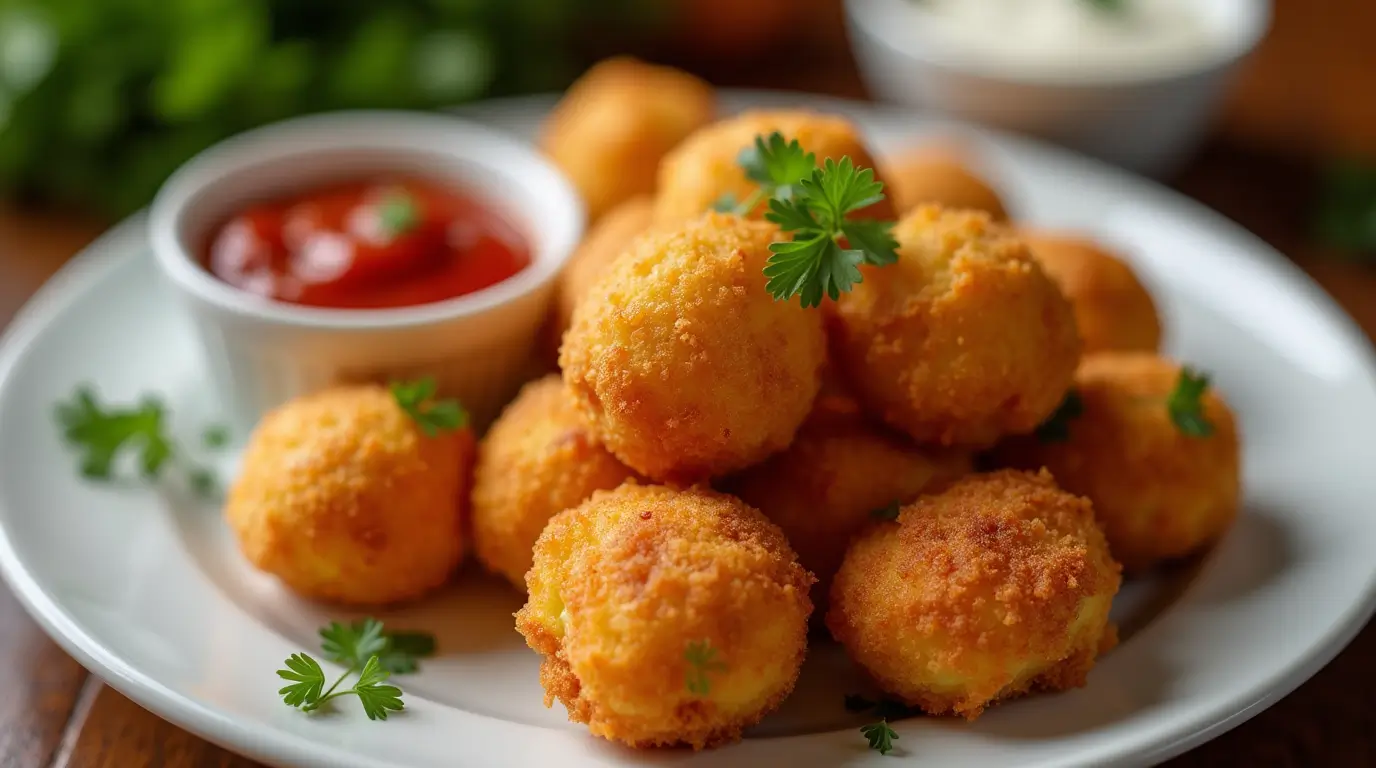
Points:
x=1108, y=6
x=398, y=214
x=101, y=434
x=888, y=512
x=1345, y=217
x=1056, y=429
x=101, y=99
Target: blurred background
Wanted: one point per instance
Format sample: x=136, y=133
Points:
x=101, y=99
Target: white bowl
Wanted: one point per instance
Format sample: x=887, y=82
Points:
x=262, y=352
x=1145, y=120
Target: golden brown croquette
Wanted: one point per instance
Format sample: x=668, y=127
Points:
x=705, y=167
x=617, y=121
x=963, y=340
x=1113, y=310
x=1158, y=492
x=537, y=460
x=683, y=363
x=343, y=498
x=998, y=585
x=666, y=617
x=938, y=175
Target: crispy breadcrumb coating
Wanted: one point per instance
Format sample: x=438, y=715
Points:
x=935, y=174
x=704, y=167
x=998, y=585
x=1158, y=493
x=538, y=459
x=840, y=469
x=683, y=363
x=343, y=498
x=624, y=584
x=1113, y=310
x=604, y=242
x=617, y=121
x=961, y=341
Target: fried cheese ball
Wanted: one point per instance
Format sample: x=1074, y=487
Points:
x=1112, y=308
x=683, y=363
x=617, y=121
x=705, y=166
x=1158, y=492
x=961, y=341
x=839, y=470
x=344, y=499
x=605, y=240
x=538, y=459
x=938, y=175
x=999, y=585
x=666, y=617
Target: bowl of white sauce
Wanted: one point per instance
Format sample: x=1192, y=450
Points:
x=1135, y=82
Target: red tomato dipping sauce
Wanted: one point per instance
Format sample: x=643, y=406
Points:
x=370, y=244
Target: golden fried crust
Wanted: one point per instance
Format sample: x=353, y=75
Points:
x=617, y=121
x=839, y=469
x=623, y=583
x=606, y=240
x=344, y=499
x=937, y=175
x=537, y=460
x=1112, y=308
x=704, y=167
x=1158, y=493
x=681, y=360
x=1000, y=584
x=961, y=341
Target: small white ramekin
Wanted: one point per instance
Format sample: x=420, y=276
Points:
x=1147, y=121
x=261, y=353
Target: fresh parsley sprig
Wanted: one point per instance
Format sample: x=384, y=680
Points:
x=433, y=416
x=813, y=204
x=1186, y=404
x=880, y=736
x=101, y=434
x=397, y=214
x=702, y=662
x=363, y=647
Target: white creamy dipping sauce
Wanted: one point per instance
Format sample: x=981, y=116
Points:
x=1069, y=38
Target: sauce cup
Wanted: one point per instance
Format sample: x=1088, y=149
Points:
x=261, y=353
x=1147, y=120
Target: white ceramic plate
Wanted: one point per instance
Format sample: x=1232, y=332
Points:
x=148, y=591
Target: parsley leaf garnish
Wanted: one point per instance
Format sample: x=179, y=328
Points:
x=433, y=416
x=364, y=647
x=353, y=644
x=101, y=434
x=397, y=214
x=1109, y=6
x=702, y=660
x=811, y=203
x=889, y=512
x=880, y=736
x=215, y=436
x=1056, y=428
x=1186, y=405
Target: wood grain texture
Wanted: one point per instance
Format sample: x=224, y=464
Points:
x=41, y=684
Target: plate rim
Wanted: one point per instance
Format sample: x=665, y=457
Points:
x=117, y=245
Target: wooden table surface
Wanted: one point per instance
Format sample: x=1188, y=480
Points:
x=1258, y=171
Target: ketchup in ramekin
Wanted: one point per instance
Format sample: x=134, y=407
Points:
x=367, y=244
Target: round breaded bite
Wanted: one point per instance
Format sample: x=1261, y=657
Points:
x=999, y=585
x=1113, y=310
x=839, y=474
x=1159, y=491
x=666, y=617
x=964, y=339
x=705, y=167
x=683, y=363
x=604, y=242
x=617, y=121
x=538, y=459
x=343, y=498
x=939, y=175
